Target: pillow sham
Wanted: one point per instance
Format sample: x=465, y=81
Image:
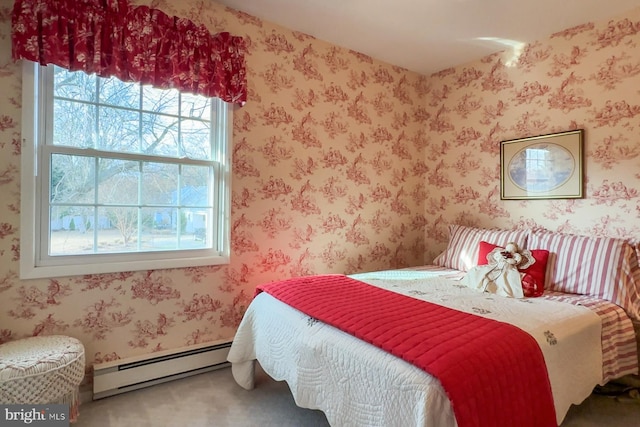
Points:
x=602, y=267
x=537, y=271
x=462, y=250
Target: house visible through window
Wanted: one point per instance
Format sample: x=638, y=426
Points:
x=125, y=176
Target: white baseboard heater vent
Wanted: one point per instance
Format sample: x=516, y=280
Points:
x=124, y=375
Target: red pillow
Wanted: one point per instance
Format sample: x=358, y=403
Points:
x=484, y=248
x=537, y=271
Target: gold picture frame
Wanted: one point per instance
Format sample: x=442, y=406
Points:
x=542, y=167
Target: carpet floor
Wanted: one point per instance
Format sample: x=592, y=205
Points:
x=213, y=399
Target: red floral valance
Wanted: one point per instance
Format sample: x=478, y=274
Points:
x=112, y=38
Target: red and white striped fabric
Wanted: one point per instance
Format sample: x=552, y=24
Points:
x=462, y=251
x=619, y=352
x=602, y=267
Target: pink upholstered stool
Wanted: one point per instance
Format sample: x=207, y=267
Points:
x=41, y=370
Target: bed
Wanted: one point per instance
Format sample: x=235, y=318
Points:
x=584, y=332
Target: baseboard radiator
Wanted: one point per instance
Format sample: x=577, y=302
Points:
x=131, y=374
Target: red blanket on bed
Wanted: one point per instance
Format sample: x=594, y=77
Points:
x=493, y=372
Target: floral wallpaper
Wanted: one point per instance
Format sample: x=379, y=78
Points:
x=586, y=77
x=328, y=176
x=344, y=164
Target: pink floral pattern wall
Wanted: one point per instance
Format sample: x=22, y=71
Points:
x=586, y=77
x=328, y=176
x=343, y=164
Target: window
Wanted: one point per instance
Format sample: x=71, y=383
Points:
x=120, y=176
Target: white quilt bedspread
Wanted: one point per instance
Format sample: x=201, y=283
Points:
x=357, y=384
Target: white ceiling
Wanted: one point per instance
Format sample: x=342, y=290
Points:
x=430, y=35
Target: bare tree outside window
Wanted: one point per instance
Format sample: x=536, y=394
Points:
x=118, y=176
x=131, y=167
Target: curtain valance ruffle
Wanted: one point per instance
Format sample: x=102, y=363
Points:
x=111, y=38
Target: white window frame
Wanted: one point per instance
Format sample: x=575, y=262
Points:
x=32, y=239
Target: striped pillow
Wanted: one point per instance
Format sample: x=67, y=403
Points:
x=602, y=267
x=462, y=250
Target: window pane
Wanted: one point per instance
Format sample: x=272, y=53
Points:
x=122, y=235
x=195, y=136
x=173, y=229
x=118, y=93
x=193, y=192
x=71, y=230
x=159, y=231
x=118, y=182
x=159, y=135
x=159, y=184
x=163, y=218
x=78, y=86
x=75, y=124
x=196, y=232
x=161, y=101
x=195, y=106
x=119, y=130
x=72, y=179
